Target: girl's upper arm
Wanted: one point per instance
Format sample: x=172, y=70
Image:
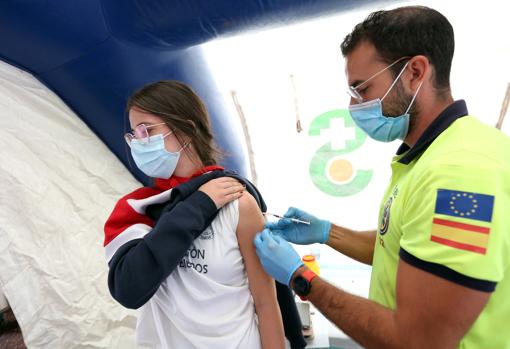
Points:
x=251, y=221
x=262, y=286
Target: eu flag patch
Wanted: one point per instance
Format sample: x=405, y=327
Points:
x=469, y=234
x=464, y=204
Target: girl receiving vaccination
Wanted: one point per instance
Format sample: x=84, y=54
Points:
x=181, y=250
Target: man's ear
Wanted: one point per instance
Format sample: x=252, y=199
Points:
x=418, y=69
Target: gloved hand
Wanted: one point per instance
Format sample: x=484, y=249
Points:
x=299, y=233
x=276, y=256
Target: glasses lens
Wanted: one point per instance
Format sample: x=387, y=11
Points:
x=354, y=94
x=128, y=137
x=141, y=134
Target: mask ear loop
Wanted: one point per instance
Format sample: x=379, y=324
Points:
x=414, y=97
x=184, y=146
x=168, y=134
x=394, y=81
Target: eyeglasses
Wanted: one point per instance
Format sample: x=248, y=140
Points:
x=141, y=133
x=352, y=91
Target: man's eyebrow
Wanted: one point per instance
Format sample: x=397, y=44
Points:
x=356, y=83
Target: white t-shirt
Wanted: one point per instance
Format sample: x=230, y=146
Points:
x=206, y=301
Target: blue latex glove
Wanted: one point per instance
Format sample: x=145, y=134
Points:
x=299, y=233
x=276, y=256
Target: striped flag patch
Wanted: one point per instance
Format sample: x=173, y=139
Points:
x=469, y=230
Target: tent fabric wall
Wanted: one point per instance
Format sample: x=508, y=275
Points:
x=58, y=182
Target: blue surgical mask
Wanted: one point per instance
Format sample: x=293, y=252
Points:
x=370, y=118
x=153, y=159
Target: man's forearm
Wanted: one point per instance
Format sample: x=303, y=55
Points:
x=368, y=323
x=359, y=245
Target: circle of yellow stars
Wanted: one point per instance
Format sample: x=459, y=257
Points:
x=469, y=212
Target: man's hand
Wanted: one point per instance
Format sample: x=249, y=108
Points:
x=299, y=233
x=276, y=256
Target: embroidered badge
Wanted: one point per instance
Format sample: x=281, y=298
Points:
x=385, y=220
x=462, y=220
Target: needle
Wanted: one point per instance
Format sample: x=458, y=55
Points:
x=281, y=217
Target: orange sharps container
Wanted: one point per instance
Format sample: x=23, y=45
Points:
x=311, y=263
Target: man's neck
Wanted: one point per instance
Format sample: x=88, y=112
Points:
x=426, y=116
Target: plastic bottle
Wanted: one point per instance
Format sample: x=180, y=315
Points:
x=312, y=263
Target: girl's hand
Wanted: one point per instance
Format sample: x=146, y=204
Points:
x=223, y=190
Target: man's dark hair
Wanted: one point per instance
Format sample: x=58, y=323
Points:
x=408, y=31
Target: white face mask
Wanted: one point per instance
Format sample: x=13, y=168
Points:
x=153, y=159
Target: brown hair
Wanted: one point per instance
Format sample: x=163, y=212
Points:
x=183, y=111
x=405, y=32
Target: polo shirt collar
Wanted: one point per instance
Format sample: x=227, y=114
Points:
x=451, y=113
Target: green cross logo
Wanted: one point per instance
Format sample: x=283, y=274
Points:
x=330, y=171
